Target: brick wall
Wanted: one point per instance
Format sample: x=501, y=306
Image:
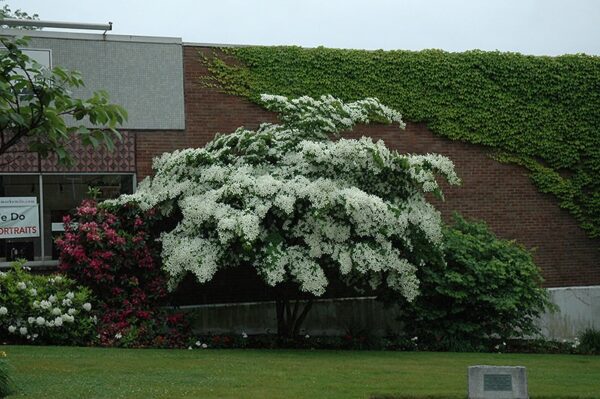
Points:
x=502, y=195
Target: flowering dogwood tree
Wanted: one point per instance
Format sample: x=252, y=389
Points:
x=300, y=207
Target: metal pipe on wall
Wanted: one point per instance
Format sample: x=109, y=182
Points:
x=55, y=24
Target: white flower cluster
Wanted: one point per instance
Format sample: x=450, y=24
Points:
x=290, y=202
x=328, y=114
x=51, y=312
x=422, y=168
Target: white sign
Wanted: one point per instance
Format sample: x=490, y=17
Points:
x=58, y=227
x=19, y=217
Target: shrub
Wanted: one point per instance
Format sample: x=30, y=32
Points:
x=45, y=309
x=113, y=251
x=589, y=341
x=486, y=288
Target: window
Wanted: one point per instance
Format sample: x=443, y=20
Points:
x=59, y=195
x=41, y=56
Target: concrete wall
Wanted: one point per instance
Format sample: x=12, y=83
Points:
x=143, y=74
x=579, y=308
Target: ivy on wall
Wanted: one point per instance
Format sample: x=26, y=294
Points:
x=540, y=112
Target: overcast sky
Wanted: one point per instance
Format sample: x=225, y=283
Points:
x=549, y=27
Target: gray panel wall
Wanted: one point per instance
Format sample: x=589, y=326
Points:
x=144, y=77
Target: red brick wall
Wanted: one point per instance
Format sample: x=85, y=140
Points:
x=502, y=195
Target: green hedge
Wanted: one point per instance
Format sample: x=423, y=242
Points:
x=540, y=112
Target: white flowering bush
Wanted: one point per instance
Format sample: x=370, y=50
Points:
x=45, y=309
x=300, y=207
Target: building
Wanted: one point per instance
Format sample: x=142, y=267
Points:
x=158, y=81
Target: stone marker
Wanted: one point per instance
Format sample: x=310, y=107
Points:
x=497, y=382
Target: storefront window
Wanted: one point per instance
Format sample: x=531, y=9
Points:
x=30, y=248
x=60, y=194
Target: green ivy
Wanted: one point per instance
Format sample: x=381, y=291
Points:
x=540, y=112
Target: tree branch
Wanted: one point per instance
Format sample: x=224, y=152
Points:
x=34, y=125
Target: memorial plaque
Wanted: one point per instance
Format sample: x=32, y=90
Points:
x=497, y=382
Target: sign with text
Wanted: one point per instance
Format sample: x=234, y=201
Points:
x=19, y=217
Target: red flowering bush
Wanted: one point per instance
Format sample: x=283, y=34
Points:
x=113, y=251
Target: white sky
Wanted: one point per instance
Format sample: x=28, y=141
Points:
x=549, y=27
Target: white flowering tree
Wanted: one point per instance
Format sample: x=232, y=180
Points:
x=300, y=207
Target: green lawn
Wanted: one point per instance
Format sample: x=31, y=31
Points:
x=66, y=372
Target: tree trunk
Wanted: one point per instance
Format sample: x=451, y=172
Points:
x=290, y=316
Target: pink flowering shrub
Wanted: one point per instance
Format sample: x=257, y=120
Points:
x=113, y=251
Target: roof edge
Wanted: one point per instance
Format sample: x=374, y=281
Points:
x=91, y=36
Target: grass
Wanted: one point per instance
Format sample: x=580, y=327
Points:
x=69, y=372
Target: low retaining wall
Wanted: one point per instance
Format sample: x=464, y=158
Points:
x=327, y=317
x=579, y=308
